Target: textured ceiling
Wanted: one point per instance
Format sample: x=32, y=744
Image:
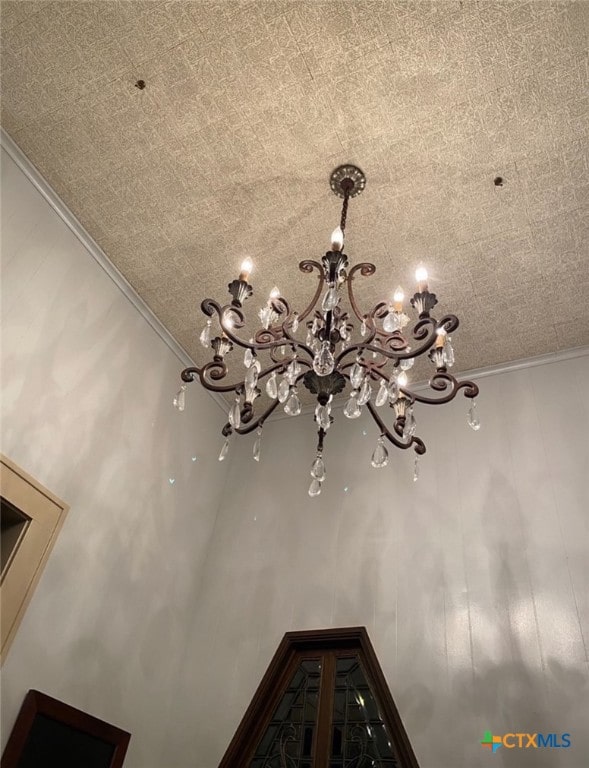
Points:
x=249, y=105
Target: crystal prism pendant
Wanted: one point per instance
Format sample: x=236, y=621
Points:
x=393, y=389
x=235, y=415
x=410, y=425
x=330, y=300
x=251, y=377
x=258, y=444
x=309, y=339
x=295, y=322
x=318, y=469
x=315, y=487
x=448, y=352
x=263, y=315
x=292, y=372
x=250, y=394
x=180, y=399
x=205, y=336
x=380, y=457
x=356, y=375
x=352, y=410
x=293, y=404
x=363, y=328
x=473, y=419
x=382, y=395
x=272, y=386
x=315, y=327
x=248, y=357
x=391, y=323
x=365, y=392
x=416, y=469
x=408, y=362
x=283, y=390
x=323, y=416
x=324, y=361
x=224, y=450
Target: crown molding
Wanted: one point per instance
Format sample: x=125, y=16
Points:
x=69, y=219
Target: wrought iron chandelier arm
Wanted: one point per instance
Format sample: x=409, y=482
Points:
x=396, y=344
x=425, y=330
x=366, y=269
x=449, y=323
x=307, y=266
x=366, y=344
x=440, y=382
x=211, y=307
x=392, y=438
x=396, y=353
x=262, y=341
x=281, y=306
x=214, y=370
x=357, y=348
x=250, y=425
x=286, y=326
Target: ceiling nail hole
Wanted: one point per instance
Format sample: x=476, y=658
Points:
x=140, y=84
x=499, y=181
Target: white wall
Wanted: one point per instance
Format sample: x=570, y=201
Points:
x=473, y=582
x=86, y=409
x=160, y=616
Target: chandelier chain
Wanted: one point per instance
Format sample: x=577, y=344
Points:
x=344, y=215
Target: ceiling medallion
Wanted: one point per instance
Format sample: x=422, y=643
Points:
x=377, y=355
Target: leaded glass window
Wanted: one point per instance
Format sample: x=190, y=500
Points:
x=289, y=738
x=359, y=736
x=323, y=703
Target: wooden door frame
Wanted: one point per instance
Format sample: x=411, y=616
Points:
x=279, y=674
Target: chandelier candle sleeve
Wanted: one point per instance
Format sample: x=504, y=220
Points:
x=398, y=299
x=332, y=346
x=421, y=277
x=246, y=268
x=337, y=239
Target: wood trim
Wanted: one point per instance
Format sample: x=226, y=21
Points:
x=383, y=695
x=328, y=643
x=47, y=513
x=36, y=703
x=273, y=683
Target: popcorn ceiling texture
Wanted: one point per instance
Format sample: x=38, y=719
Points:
x=249, y=105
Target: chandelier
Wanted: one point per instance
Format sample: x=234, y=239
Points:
x=325, y=348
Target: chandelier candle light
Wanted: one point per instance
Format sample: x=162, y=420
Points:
x=333, y=354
